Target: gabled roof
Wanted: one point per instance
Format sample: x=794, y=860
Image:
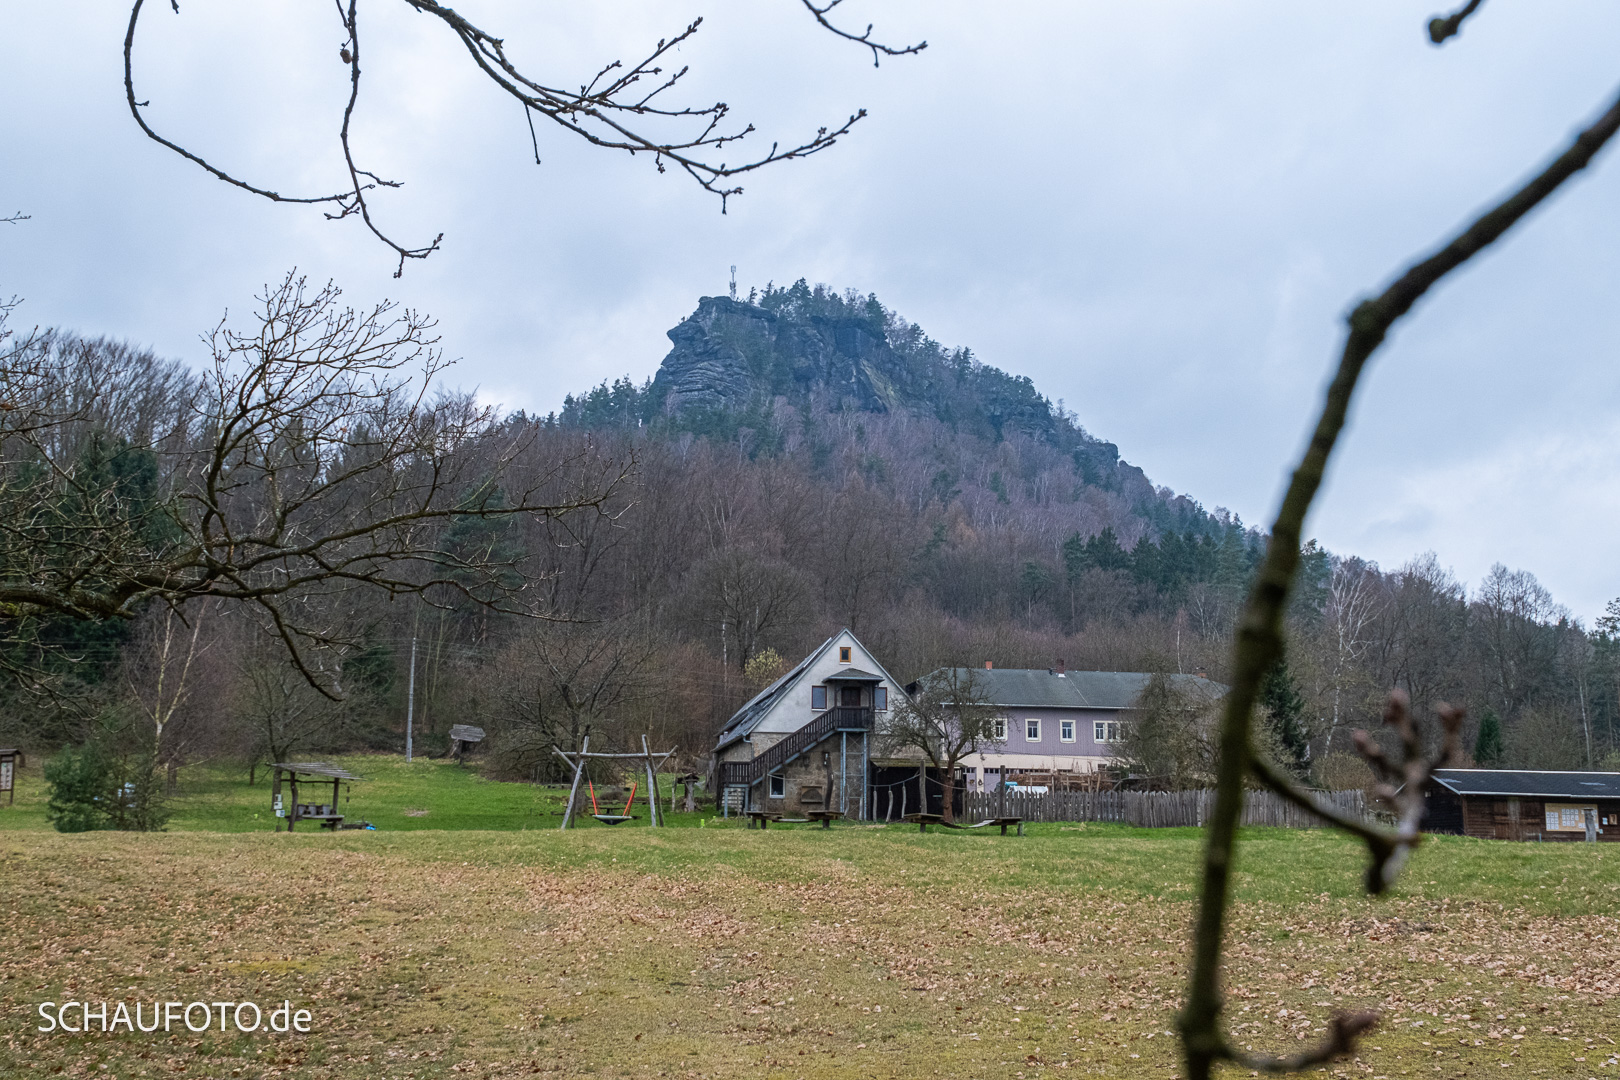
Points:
x=1517, y=782
x=1041, y=688
x=745, y=719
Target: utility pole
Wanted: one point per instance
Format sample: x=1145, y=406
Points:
x=410, y=702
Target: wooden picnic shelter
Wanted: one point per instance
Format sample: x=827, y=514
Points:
x=310, y=774
x=463, y=737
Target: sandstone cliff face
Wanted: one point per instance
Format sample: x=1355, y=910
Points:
x=728, y=354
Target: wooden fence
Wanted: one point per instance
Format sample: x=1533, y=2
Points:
x=1153, y=809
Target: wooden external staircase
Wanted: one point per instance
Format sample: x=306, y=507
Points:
x=794, y=745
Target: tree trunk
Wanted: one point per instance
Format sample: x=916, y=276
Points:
x=949, y=783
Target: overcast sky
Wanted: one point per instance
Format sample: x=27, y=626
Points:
x=1158, y=211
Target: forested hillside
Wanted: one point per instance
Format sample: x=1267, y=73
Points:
x=803, y=460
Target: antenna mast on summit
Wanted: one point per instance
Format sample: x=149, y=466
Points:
x=734, y=283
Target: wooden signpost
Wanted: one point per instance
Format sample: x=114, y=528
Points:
x=9, y=760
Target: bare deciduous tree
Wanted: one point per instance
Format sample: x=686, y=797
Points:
x=304, y=462
x=947, y=717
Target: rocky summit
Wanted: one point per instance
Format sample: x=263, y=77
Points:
x=730, y=354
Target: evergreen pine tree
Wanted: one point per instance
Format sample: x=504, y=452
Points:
x=1284, y=710
x=1488, y=744
x=79, y=778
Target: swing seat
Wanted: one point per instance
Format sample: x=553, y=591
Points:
x=613, y=819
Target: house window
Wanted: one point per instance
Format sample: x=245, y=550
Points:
x=1066, y=730
x=998, y=729
x=880, y=698
x=843, y=654
x=1106, y=731
x=1032, y=731
x=778, y=786
x=818, y=697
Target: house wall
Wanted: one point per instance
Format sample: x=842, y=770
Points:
x=1048, y=752
x=1443, y=811
x=807, y=785
x=1491, y=817
x=793, y=711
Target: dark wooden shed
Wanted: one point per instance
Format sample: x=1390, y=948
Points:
x=1521, y=804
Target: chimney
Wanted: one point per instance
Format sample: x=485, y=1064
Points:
x=1060, y=668
x=988, y=665
x=1202, y=674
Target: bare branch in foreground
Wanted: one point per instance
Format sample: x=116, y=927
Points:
x=621, y=108
x=1401, y=784
x=879, y=50
x=1259, y=641
x=1450, y=26
x=1343, y=1031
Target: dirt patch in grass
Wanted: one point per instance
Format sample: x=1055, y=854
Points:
x=727, y=953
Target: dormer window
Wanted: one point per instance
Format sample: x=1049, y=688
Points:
x=843, y=654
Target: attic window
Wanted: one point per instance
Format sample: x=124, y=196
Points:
x=843, y=654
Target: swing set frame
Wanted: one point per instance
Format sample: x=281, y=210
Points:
x=579, y=758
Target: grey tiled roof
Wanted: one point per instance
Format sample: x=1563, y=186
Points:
x=1040, y=688
x=1557, y=785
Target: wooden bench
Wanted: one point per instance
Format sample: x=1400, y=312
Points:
x=1002, y=821
x=924, y=820
x=765, y=817
x=826, y=817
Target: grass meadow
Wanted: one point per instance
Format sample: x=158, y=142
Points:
x=476, y=940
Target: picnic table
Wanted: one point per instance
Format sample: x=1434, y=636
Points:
x=826, y=817
x=307, y=773
x=325, y=814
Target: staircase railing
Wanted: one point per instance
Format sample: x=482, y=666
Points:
x=793, y=744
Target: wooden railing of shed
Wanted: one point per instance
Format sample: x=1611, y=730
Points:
x=795, y=743
x=1153, y=809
